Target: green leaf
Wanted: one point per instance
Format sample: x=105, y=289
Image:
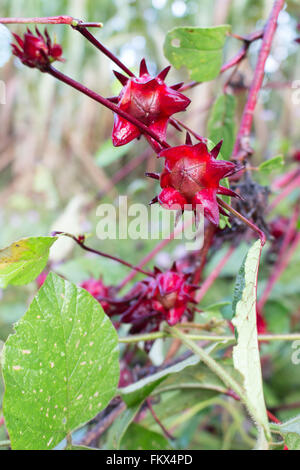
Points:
x=5, y=46
x=120, y=426
x=134, y=395
x=198, y=49
x=108, y=154
x=275, y=163
x=140, y=438
x=292, y=425
x=292, y=440
x=23, y=261
x=221, y=124
x=291, y=432
x=138, y=392
x=60, y=367
x=197, y=377
x=246, y=357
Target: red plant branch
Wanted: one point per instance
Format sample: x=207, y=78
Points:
x=80, y=242
x=64, y=19
x=246, y=221
x=242, y=148
x=82, y=30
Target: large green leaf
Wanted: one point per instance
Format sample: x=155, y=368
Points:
x=137, y=392
x=221, y=124
x=198, y=49
x=60, y=368
x=23, y=261
x=246, y=357
x=140, y=438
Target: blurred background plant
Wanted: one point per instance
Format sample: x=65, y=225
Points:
x=57, y=161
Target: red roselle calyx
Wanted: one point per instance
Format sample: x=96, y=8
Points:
x=151, y=101
x=165, y=297
x=36, y=51
x=98, y=290
x=192, y=177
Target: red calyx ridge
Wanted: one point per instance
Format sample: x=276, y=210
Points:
x=151, y=101
x=192, y=177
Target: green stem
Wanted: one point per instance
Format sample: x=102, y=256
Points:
x=212, y=338
x=219, y=371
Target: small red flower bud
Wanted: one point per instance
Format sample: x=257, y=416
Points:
x=192, y=176
x=99, y=291
x=36, y=51
x=164, y=297
x=151, y=101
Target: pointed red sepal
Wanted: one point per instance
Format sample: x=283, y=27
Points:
x=143, y=68
x=153, y=201
x=216, y=150
x=122, y=78
x=162, y=75
x=228, y=192
x=188, y=139
x=154, y=176
x=177, y=86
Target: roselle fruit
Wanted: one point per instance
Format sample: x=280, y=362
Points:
x=149, y=100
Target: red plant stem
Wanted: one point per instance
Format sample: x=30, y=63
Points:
x=280, y=266
x=82, y=30
x=157, y=420
x=80, y=242
x=105, y=102
x=284, y=179
x=287, y=190
x=241, y=54
x=273, y=417
x=214, y=275
x=160, y=246
x=188, y=129
x=241, y=148
x=1, y=421
x=246, y=221
x=69, y=20
x=208, y=239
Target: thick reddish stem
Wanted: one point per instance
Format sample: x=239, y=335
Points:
x=241, y=148
x=202, y=257
x=108, y=104
x=246, y=221
x=214, y=275
x=69, y=20
x=80, y=242
x=82, y=30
